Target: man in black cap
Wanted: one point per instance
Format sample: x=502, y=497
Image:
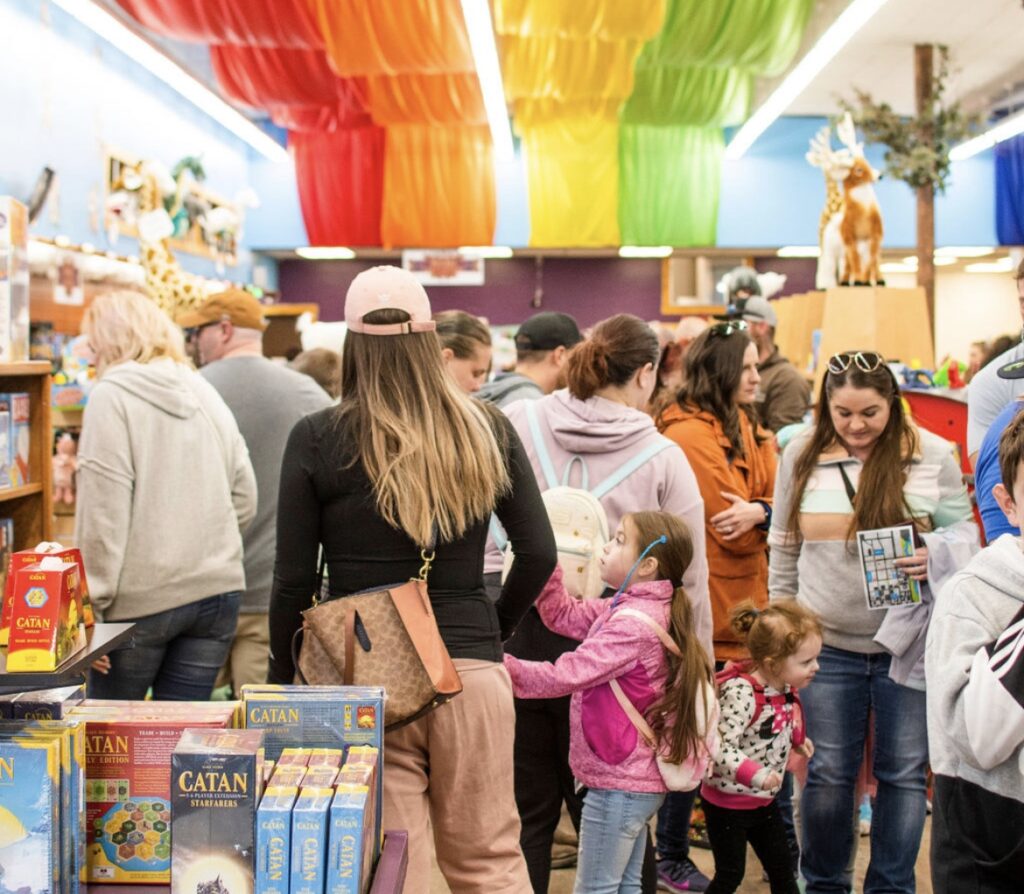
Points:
x=542, y=344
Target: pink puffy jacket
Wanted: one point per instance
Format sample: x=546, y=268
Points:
x=605, y=750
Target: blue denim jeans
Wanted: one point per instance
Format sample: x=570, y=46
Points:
x=177, y=652
x=613, y=838
x=847, y=688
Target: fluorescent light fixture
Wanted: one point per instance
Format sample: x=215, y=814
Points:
x=799, y=251
x=645, y=251
x=486, y=251
x=964, y=251
x=325, y=253
x=1009, y=127
x=910, y=261
x=838, y=34
x=477, y=14
x=897, y=267
x=943, y=261
x=167, y=70
x=1003, y=265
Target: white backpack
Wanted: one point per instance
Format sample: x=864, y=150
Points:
x=577, y=517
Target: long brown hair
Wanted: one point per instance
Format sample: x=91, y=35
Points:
x=713, y=368
x=879, y=501
x=430, y=452
x=675, y=717
x=616, y=349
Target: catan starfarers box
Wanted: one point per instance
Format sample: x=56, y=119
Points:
x=216, y=781
x=46, y=616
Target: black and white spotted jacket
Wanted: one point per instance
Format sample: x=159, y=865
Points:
x=758, y=726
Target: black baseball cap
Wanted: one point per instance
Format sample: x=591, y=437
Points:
x=547, y=331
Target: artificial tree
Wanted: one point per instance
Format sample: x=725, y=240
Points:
x=917, y=149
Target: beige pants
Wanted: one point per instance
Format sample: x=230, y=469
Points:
x=249, y=657
x=452, y=770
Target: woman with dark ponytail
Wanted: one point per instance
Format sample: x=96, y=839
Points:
x=584, y=435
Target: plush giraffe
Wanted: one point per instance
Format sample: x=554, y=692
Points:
x=167, y=284
x=139, y=197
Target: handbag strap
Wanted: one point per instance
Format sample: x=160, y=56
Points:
x=635, y=717
x=851, y=491
x=350, y=646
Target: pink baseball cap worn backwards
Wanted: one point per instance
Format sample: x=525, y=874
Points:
x=382, y=287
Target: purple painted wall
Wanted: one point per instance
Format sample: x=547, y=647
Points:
x=591, y=289
x=799, y=273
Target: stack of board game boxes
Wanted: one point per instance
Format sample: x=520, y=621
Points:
x=278, y=793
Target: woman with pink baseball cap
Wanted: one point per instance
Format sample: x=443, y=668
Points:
x=409, y=462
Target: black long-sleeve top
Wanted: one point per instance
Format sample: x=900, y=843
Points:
x=324, y=499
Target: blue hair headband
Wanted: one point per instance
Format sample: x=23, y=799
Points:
x=636, y=564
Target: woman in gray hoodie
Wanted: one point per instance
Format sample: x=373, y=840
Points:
x=165, y=488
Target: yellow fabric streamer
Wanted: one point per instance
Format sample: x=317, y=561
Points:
x=604, y=19
x=572, y=170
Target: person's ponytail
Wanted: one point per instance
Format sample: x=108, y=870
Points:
x=611, y=356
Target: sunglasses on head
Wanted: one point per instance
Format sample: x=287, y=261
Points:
x=865, y=361
x=728, y=328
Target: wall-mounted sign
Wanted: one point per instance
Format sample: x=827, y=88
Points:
x=444, y=266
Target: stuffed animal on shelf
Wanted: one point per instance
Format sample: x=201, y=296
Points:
x=65, y=465
x=850, y=230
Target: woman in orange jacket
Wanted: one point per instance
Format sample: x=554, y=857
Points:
x=734, y=459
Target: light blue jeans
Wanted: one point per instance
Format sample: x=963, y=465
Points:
x=613, y=837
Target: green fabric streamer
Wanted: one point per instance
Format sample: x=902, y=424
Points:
x=691, y=80
x=668, y=184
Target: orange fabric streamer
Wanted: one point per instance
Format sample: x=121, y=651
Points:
x=438, y=186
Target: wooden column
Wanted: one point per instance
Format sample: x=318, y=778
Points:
x=923, y=61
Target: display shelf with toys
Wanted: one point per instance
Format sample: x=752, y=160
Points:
x=99, y=639
x=25, y=452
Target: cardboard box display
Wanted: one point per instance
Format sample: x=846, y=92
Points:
x=273, y=839
x=319, y=777
x=309, y=840
x=287, y=776
x=326, y=757
x=14, y=281
x=128, y=782
x=350, y=844
x=216, y=782
x=25, y=557
x=46, y=616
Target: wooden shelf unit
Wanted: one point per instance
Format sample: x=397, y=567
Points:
x=31, y=506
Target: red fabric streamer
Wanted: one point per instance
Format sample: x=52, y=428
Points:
x=264, y=76
x=266, y=23
x=341, y=179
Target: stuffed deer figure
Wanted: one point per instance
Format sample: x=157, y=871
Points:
x=851, y=224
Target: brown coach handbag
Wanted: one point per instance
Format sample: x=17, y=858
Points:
x=386, y=637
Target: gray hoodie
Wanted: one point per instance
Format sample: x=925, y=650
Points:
x=971, y=611
x=164, y=488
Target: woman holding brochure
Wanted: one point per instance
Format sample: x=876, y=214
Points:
x=863, y=466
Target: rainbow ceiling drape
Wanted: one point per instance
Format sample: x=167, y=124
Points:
x=619, y=108
x=381, y=102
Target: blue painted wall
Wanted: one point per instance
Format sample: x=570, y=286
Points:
x=66, y=94
x=772, y=196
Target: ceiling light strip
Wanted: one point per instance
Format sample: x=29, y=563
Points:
x=171, y=73
x=325, y=253
x=477, y=14
x=838, y=34
x=1010, y=127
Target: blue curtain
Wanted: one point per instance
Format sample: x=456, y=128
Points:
x=1010, y=191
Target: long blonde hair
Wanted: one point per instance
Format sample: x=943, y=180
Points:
x=430, y=452
x=124, y=325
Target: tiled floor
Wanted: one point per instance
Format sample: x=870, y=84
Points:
x=562, y=880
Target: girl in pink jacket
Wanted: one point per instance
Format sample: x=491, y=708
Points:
x=641, y=686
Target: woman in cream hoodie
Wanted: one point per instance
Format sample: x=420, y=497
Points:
x=165, y=488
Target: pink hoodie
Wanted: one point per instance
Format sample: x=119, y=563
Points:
x=606, y=435
x=605, y=750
